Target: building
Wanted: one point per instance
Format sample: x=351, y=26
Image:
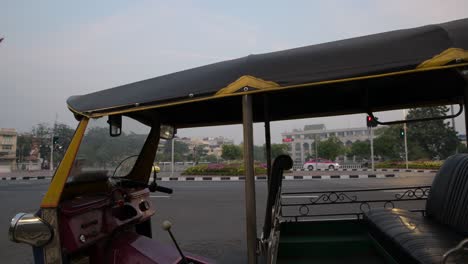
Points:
x=214, y=145
x=301, y=142
x=8, y=137
x=211, y=145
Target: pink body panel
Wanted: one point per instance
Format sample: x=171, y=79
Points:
x=133, y=248
x=103, y=226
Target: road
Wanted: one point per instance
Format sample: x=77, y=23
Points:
x=208, y=217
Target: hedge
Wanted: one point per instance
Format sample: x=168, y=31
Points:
x=430, y=165
x=223, y=169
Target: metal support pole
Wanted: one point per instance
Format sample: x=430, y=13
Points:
x=453, y=125
x=316, y=150
x=266, y=113
x=51, y=165
x=465, y=101
x=251, y=218
x=293, y=151
x=453, y=118
x=406, y=140
x=302, y=151
x=172, y=158
x=372, y=146
x=464, y=74
x=406, y=146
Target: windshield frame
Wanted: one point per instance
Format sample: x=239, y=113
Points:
x=54, y=192
x=141, y=170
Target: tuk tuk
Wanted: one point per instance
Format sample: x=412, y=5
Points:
x=101, y=217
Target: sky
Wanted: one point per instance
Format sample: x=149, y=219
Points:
x=55, y=49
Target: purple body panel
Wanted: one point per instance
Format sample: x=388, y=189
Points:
x=82, y=216
x=130, y=247
x=102, y=227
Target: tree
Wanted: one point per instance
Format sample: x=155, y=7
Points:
x=23, y=149
x=331, y=148
x=99, y=149
x=231, y=152
x=436, y=138
x=64, y=135
x=43, y=132
x=259, y=153
x=360, y=149
x=181, y=150
x=199, y=152
x=211, y=158
x=278, y=149
x=387, y=143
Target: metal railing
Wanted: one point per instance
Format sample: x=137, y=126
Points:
x=354, y=203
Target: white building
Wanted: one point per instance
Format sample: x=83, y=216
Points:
x=301, y=142
x=212, y=145
x=8, y=138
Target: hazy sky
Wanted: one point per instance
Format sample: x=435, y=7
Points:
x=55, y=49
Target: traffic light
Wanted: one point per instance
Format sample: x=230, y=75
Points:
x=55, y=140
x=371, y=122
x=402, y=133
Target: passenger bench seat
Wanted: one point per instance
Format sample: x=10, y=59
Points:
x=414, y=238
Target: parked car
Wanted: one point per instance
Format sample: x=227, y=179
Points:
x=321, y=164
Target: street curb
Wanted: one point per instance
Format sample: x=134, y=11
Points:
x=235, y=178
x=378, y=170
x=26, y=178
x=287, y=178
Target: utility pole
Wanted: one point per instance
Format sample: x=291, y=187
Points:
x=453, y=118
x=406, y=141
x=172, y=157
x=316, y=151
x=51, y=165
x=371, y=134
x=453, y=125
x=371, y=122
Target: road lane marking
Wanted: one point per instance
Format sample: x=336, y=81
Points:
x=160, y=196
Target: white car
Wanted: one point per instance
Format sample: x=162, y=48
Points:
x=320, y=164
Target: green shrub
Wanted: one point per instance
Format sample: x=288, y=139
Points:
x=428, y=165
x=235, y=169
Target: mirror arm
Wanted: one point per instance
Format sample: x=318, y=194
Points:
x=415, y=120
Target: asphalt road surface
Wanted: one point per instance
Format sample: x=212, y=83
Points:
x=208, y=217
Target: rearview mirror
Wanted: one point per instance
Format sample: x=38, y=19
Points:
x=167, y=132
x=115, y=125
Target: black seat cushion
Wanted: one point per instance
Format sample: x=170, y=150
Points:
x=448, y=200
x=411, y=237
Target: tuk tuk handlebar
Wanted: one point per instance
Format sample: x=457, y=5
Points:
x=153, y=187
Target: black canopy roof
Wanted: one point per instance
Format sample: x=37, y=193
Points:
x=384, y=71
